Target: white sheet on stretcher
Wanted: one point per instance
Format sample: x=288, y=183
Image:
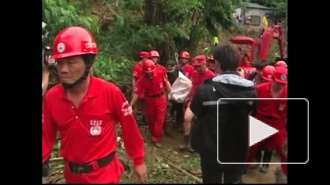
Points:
x=180, y=88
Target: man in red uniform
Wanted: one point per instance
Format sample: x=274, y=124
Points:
x=137, y=70
x=154, y=56
x=200, y=74
x=184, y=64
x=267, y=75
x=85, y=109
x=280, y=63
x=211, y=63
x=273, y=113
x=153, y=84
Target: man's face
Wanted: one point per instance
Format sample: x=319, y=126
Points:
x=155, y=59
x=211, y=66
x=70, y=69
x=149, y=75
x=278, y=86
x=183, y=60
x=200, y=68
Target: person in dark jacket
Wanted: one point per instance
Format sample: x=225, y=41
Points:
x=233, y=119
x=176, y=108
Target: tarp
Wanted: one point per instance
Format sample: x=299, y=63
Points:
x=180, y=88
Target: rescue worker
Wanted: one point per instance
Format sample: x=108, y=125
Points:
x=267, y=76
x=211, y=63
x=199, y=76
x=153, y=84
x=264, y=23
x=154, y=56
x=176, y=108
x=273, y=113
x=184, y=64
x=280, y=63
x=85, y=110
x=233, y=119
x=256, y=76
x=137, y=70
x=215, y=41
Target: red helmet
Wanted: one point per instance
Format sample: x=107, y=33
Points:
x=73, y=41
x=280, y=63
x=281, y=75
x=148, y=66
x=185, y=54
x=144, y=54
x=199, y=60
x=267, y=73
x=153, y=54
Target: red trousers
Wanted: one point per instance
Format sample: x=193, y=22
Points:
x=275, y=142
x=155, y=112
x=109, y=174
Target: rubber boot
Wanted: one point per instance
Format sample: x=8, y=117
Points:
x=266, y=159
x=280, y=177
x=185, y=142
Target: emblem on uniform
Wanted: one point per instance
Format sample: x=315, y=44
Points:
x=60, y=47
x=281, y=107
x=269, y=76
x=283, y=77
x=95, y=127
x=126, y=108
x=95, y=130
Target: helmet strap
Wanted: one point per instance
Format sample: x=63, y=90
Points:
x=80, y=80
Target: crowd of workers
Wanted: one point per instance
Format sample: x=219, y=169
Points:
x=85, y=109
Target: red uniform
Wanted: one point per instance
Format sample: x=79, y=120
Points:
x=89, y=131
x=162, y=69
x=197, y=79
x=188, y=70
x=137, y=69
x=273, y=113
x=154, y=102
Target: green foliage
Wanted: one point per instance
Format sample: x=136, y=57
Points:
x=168, y=26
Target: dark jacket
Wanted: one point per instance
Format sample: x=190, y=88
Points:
x=174, y=75
x=233, y=117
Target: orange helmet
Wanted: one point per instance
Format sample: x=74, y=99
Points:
x=267, y=73
x=148, y=66
x=185, y=54
x=144, y=54
x=153, y=54
x=280, y=63
x=199, y=60
x=73, y=41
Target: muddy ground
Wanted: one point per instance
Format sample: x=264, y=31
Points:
x=167, y=164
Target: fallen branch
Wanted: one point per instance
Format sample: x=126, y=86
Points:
x=56, y=159
x=185, y=172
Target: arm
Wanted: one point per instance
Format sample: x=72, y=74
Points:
x=196, y=105
x=131, y=134
x=49, y=129
x=45, y=80
x=138, y=89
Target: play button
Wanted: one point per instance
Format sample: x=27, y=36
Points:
x=259, y=131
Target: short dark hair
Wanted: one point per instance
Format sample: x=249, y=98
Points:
x=228, y=56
